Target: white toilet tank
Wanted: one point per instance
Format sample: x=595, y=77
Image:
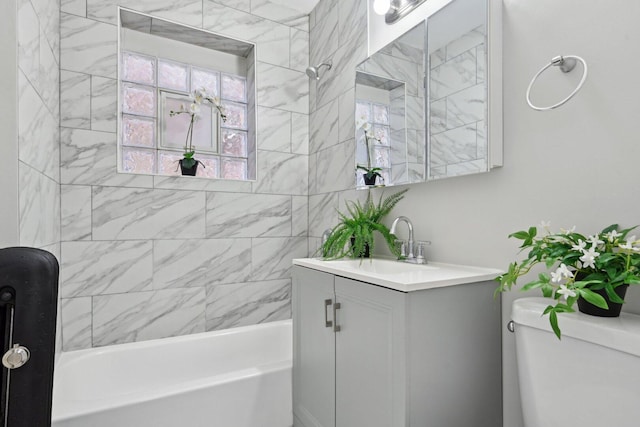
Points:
x=591, y=378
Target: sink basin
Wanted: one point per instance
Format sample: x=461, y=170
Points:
x=401, y=276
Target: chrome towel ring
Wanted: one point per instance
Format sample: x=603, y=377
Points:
x=566, y=64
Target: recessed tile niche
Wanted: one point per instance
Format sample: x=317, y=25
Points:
x=161, y=64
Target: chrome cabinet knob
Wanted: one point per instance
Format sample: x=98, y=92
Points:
x=16, y=357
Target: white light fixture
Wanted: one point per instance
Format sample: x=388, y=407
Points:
x=394, y=10
x=381, y=6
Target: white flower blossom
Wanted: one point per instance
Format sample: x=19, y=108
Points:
x=566, y=292
x=589, y=257
x=612, y=235
x=194, y=108
x=564, y=271
x=546, y=225
x=580, y=246
x=628, y=245
x=569, y=231
x=595, y=240
x=556, y=277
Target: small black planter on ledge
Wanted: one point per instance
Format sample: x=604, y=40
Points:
x=369, y=181
x=614, y=308
x=189, y=171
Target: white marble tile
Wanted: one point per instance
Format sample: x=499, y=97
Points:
x=299, y=55
x=466, y=106
x=416, y=147
x=274, y=129
x=271, y=37
x=346, y=110
x=352, y=23
x=467, y=168
x=416, y=172
x=438, y=116
x=336, y=167
x=90, y=158
x=147, y=315
x=466, y=42
x=271, y=257
x=340, y=78
x=201, y=184
x=49, y=78
x=88, y=46
x=397, y=69
x=453, y=146
x=312, y=174
x=76, y=323
x=75, y=7
x=481, y=63
x=322, y=9
x=38, y=132
x=282, y=88
x=299, y=133
x=75, y=212
x=138, y=213
x=323, y=39
x=103, y=104
x=242, y=304
x=415, y=112
x=39, y=204
x=287, y=12
x=248, y=215
x=281, y=173
x=183, y=11
x=29, y=42
x=299, y=215
x=323, y=127
x=481, y=139
x=437, y=58
x=105, y=267
x=49, y=16
x=244, y=5
x=453, y=76
x=199, y=262
x=75, y=100
x=323, y=213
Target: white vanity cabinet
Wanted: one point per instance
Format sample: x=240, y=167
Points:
x=369, y=356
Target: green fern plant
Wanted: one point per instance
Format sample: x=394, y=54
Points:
x=355, y=231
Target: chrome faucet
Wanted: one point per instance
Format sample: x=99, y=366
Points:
x=393, y=231
x=410, y=257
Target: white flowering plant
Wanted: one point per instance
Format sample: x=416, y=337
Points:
x=370, y=172
x=578, y=266
x=198, y=97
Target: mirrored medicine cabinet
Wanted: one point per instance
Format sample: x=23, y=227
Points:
x=429, y=104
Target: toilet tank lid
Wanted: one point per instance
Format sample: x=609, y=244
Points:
x=619, y=333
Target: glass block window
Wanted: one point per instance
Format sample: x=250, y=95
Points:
x=152, y=142
x=377, y=117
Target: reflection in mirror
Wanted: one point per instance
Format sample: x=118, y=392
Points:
x=163, y=66
x=457, y=90
x=441, y=84
x=391, y=81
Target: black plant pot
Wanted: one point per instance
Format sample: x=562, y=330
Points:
x=189, y=171
x=369, y=181
x=365, y=253
x=614, y=308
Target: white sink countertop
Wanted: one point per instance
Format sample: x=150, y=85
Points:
x=401, y=276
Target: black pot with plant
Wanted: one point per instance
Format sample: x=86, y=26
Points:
x=371, y=173
x=353, y=237
x=188, y=164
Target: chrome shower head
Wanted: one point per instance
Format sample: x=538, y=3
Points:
x=314, y=72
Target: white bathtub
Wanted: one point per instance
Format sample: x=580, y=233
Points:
x=233, y=378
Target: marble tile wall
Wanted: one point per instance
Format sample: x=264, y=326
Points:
x=153, y=256
x=38, y=127
x=458, y=144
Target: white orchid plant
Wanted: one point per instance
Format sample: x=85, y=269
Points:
x=578, y=266
x=365, y=126
x=198, y=97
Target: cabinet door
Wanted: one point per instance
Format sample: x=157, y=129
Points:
x=314, y=348
x=370, y=356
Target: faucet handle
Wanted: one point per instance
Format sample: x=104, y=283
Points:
x=402, y=245
x=420, y=244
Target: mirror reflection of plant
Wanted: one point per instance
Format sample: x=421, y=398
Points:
x=360, y=224
x=198, y=97
x=579, y=266
x=370, y=172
